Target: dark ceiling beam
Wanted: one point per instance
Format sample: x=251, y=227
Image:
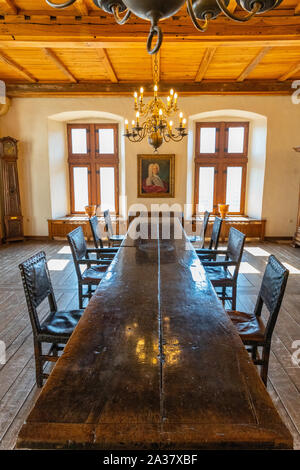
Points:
x=252, y=87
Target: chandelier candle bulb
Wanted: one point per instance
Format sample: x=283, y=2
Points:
x=137, y=118
x=126, y=125
x=184, y=122
x=180, y=119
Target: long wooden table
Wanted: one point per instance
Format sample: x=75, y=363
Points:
x=154, y=363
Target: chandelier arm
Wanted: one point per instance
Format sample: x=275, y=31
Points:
x=256, y=7
x=155, y=29
x=194, y=19
x=60, y=5
x=177, y=138
x=120, y=19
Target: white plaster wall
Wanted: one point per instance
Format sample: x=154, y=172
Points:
x=27, y=120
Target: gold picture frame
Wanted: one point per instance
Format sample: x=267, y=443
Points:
x=156, y=176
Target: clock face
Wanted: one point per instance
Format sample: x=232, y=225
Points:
x=9, y=148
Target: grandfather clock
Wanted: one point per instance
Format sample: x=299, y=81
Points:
x=10, y=194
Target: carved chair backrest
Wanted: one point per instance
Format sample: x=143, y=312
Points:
x=235, y=247
x=37, y=287
x=96, y=232
x=78, y=247
x=271, y=292
x=215, y=235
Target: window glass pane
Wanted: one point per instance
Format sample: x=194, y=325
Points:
x=207, y=140
x=206, y=189
x=81, y=192
x=236, y=139
x=233, y=188
x=79, y=143
x=106, y=140
x=107, y=188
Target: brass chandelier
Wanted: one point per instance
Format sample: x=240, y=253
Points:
x=157, y=125
x=156, y=10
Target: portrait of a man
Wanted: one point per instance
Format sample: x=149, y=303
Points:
x=156, y=175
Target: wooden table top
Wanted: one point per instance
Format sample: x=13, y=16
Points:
x=154, y=363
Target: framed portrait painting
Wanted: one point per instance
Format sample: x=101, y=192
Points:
x=156, y=175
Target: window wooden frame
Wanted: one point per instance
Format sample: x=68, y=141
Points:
x=71, y=179
x=221, y=159
x=94, y=161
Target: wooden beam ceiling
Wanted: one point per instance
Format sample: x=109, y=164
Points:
x=81, y=7
x=206, y=60
x=11, y=6
x=7, y=60
x=250, y=67
x=102, y=53
x=205, y=87
x=65, y=35
x=59, y=63
x=91, y=27
x=292, y=71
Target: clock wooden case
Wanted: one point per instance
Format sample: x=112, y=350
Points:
x=10, y=194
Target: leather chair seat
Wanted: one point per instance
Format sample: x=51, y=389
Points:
x=249, y=326
x=61, y=323
x=94, y=274
x=217, y=273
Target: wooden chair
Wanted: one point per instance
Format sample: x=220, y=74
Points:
x=218, y=272
x=58, y=326
x=201, y=238
x=214, y=241
x=97, y=239
x=113, y=240
x=81, y=256
x=250, y=326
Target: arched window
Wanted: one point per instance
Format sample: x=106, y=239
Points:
x=94, y=166
x=221, y=157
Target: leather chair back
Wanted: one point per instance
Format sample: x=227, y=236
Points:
x=78, y=247
x=272, y=292
x=37, y=286
x=235, y=247
x=215, y=235
x=95, y=232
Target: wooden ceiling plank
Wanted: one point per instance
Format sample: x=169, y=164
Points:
x=59, y=63
x=7, y=60
x=253, y=87
x=232, y=6
x=250, y=67
x=294, y=69
x=102, y=53
x=82, y=8
x=11, y=6
x=297, y=9
x=113, y=43
x=206, y=60
x=158, y=56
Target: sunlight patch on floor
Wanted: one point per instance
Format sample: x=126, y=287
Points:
x=245, y=268
x=57, y=264
x=291, y=268
x=256, y=251
x=65, y=250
